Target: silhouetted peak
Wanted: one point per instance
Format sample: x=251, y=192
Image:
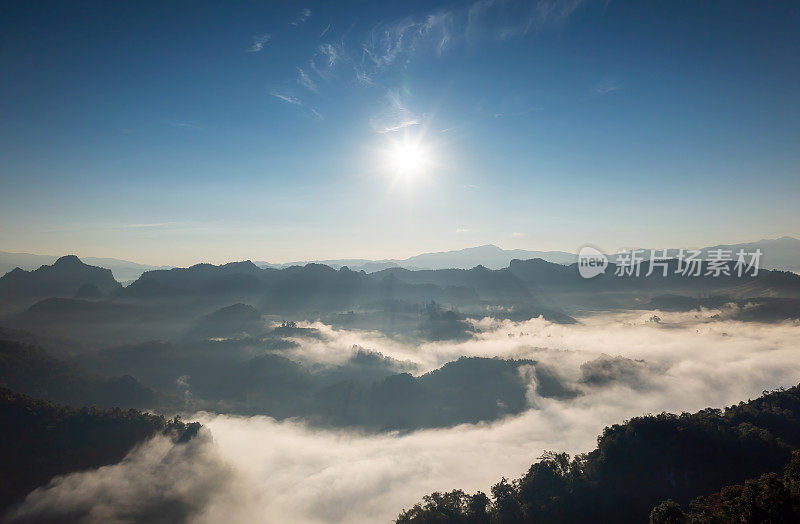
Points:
x=68, y=261
x=245, y=265
x=314, y=266
x=235, y=312
x=488, y=248
x=201, y=265
x=64, y=278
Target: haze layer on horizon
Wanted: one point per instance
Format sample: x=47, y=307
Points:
x=290, y=131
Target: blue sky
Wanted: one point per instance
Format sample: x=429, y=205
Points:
x=178, y=132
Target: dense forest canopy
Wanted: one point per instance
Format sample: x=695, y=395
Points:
x=39, y=440
x=647, y=460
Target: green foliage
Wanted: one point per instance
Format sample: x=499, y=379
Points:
x=770, y=498
x=668, y=512
x=649, y=459
x=29, y=369
x=455, y=506
x=39, y=440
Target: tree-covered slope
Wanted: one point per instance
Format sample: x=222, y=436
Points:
x=39, y=440
x=29, y=369
x=637, y=465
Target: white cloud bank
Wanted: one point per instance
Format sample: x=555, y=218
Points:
x=258, y=469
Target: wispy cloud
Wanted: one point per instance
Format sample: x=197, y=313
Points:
x=397, y=42
x=258, y=43
x=293, y=100
x=185, y=125
x=304, y=80
x=504, y=20
x=363, y=78
x=395, y=115
x=607, y=86
x=289, y=99
x=304, y=15
x=552, y=12
x=439, y=25
x=395, y=127
x=386, y=43
x=325, y=59
x=374, y=58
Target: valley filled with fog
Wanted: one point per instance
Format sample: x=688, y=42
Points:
x=314, y=394
x=603, y=369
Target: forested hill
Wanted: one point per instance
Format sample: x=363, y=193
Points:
x=29, y=369
x=39, y=440
x=641, y=463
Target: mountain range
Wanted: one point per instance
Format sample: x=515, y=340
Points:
x=780, y=253
x=124, y=271
x=489, y=256
x=81, y=302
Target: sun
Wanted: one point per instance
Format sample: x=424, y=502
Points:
x=407, y=158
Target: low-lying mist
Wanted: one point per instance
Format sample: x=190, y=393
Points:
x=245, y=469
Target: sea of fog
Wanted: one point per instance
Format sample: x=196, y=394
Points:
x=249, y=469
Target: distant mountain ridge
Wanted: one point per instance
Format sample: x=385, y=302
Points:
x=67, y=276
x=169, y=302
x=321, y=287
x=489, y=256
x=123, y=270
x=780, y=253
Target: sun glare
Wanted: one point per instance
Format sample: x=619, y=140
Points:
x=407, y=159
